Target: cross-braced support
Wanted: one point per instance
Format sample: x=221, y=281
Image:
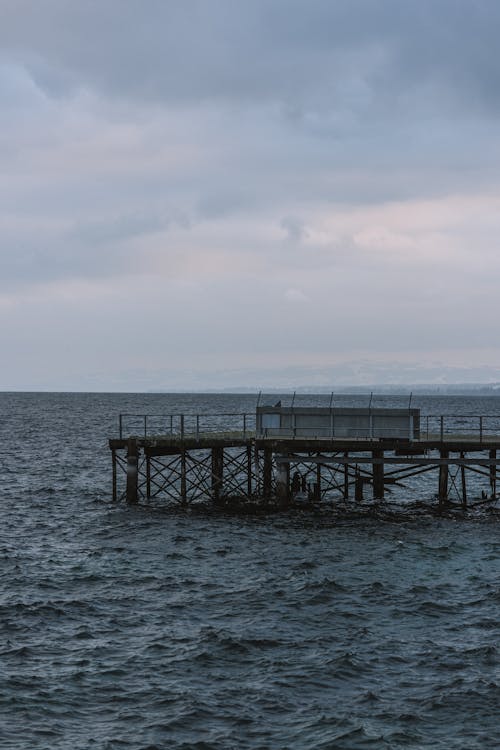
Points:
x=284, y=472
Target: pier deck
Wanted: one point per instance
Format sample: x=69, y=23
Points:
x=193, y=464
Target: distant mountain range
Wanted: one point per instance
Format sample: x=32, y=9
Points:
x=459, y=389
x=361, y=376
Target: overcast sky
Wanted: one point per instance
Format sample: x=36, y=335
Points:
x=248, y=192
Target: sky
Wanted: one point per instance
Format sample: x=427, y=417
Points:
x=218, y=193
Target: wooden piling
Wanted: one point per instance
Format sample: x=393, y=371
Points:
x=346, y=477
x=358, y=486
x=378, y=475
x=257, y=470
x=148, y=476
x=132, y=470
x=443, y=477
x=493, y=473
x=217, y=472
x=115, y=491
x=249, y=471
x=267, y=474
x=464, y=484
x=283, y=483
x=183, y=478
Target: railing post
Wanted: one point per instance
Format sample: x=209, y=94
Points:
x=182, y=426
x=197, y=427
x=121, y=426
x=244, y=425
x=442, y=428
x=171, y=423
x=480, y=429
x=145, y=425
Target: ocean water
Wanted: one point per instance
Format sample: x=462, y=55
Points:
x=134, y=627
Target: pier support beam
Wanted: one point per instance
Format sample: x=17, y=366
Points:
x=346, y=477
x=217, y=472
x=283, y=483
x=267, y=473
x=317, y=489
x=358, y=486
x=183, y=478
x=464, y=484
x=378, y=476
x=257, y=471
x=148, y=476
x=132, y=470
x=443, y=477
x=249, y=471
x=493, y=473
x=115, y=492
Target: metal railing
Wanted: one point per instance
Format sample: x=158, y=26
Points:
x=449, y=427
x=186, y=425
x=477, y=427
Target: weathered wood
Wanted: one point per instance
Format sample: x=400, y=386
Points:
x=443, y=477
x=257, y=470
x=132, y=470
x=267, y=474
x=398, y=461
x=217, y=472
x=115, y=491
x=358, y=486
x=170, y=444
x=378, y=475
x=493, y=473
x=464, y=484
x=283, y=483
x=183, y=478
x=148, y=476
x=346, y=477
x=249, y=471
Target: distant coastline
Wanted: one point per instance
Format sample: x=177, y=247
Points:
x=430, y=389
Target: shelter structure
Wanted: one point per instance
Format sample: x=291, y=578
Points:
x=323, y=422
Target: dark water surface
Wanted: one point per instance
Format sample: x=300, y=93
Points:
x=137, y=628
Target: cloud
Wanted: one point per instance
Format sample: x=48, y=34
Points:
x=238, y=160
x=278, y=49
x=296, y=295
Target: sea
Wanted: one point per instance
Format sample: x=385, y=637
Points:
x=145, y=628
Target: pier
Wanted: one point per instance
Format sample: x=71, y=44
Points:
x=225, y=459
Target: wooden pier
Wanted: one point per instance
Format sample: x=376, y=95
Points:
x=195, y=461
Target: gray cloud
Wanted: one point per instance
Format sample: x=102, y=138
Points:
x=306, y=178
x=348, y=53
